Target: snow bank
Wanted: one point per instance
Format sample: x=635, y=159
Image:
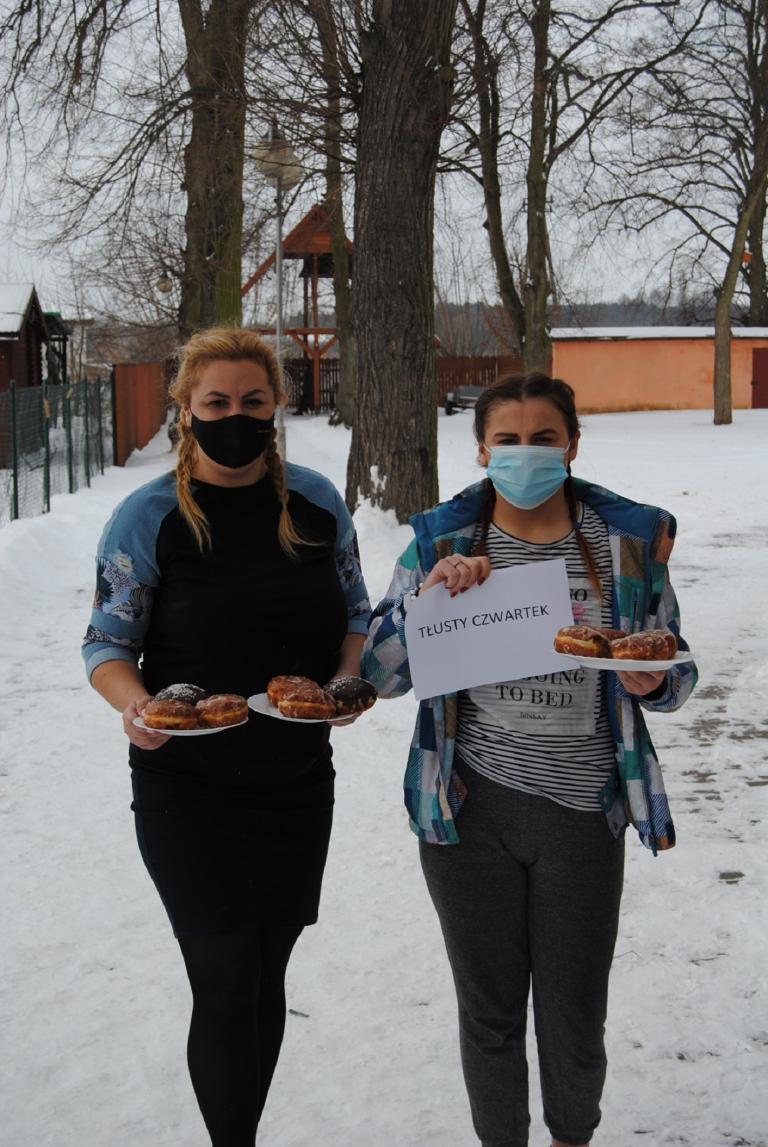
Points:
x=94, y=999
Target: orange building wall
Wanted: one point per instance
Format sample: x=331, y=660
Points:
x=650, y=374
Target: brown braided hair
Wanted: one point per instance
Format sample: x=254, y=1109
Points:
x=231, y=344
x=516, y=388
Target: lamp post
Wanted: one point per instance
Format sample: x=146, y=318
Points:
x=276, y=160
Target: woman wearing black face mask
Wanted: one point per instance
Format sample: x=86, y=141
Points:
x=230, y=570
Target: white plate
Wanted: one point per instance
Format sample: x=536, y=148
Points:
x=139, y=723
x=260, y=703
x=621, y=665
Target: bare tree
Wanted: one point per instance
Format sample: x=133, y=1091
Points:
x=333, y=140
x=311, y=85
x=697, y=159
x=215, y=39
x=135, y=107
x=544, y=78
x=406, y=92
x=486, y=58
x=752, y=18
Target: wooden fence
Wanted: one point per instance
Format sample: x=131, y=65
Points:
x=451, y=372
x=298, y=383
x=478, y=371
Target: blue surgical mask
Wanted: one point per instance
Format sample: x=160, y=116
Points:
x=527, y=476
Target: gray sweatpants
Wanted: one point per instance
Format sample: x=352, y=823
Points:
x=529, y=896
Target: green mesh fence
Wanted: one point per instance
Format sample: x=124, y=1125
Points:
x=53, y=439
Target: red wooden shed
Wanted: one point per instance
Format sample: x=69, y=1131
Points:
x=23, y=331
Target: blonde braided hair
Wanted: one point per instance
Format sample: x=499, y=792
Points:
x=287, y=534
x=231, y=344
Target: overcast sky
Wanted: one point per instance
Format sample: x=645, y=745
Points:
x=614, y=267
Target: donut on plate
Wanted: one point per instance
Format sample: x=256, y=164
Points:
x=610, y=634
x=670, y=639
x=582, y=641
x=190, y=694
x=279, y=687
x=164, y=714
x=350, y=695
x=649, y=645
x=306, y=702
x=222, y=709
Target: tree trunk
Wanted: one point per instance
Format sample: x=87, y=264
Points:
x=407, y=82
x=537, y=289
x=213, y=163
x=722, y=379
x=346, y=396
x=757, y=65
x=485, y=74
x=758, y=287
x=334, y=206
x=755, y=195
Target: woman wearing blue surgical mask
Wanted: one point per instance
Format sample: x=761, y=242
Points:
x=520, y=791
x=232, y=569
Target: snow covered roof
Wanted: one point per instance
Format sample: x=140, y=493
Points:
x=14, y=304
x=653, y=333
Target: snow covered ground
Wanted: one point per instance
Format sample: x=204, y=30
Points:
x=94, y=1001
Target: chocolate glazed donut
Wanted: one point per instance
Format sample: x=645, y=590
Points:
x=351, y=695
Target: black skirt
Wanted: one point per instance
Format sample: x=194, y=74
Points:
x=226, y=860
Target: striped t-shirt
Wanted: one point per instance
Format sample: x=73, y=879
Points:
x=547, y=735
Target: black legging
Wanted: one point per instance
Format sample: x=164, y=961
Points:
x=238, y=1019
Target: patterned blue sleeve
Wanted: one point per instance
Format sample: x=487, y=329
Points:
x=350, y=571
x=680, y=680
x=126, y=576
x=385, y=655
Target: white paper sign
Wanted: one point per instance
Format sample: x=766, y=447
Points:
x=499, y=631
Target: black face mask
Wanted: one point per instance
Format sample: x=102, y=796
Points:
x=234, y=441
